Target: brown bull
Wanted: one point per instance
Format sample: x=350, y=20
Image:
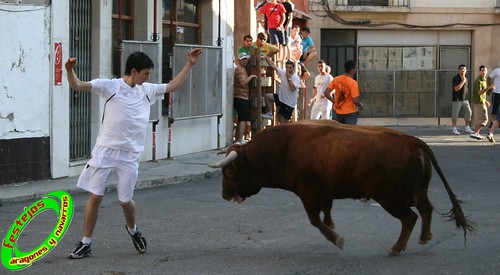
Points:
x=322, y=160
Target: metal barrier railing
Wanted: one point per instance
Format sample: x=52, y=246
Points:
x=153, y=146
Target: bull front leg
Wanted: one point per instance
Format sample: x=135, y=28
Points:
x=313, y=207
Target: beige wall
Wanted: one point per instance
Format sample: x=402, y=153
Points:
x=245, y=22
x=486, y=49
x=485, y=40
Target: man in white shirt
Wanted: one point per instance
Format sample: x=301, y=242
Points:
x=287, y=95
x=494, y=77
x=121, y=138
x=322, y=107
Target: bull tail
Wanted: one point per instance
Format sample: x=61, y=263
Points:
x=456, y=214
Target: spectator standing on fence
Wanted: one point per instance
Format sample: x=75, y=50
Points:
x=289, y=6
x=266, y=49
x=322, y=107
x=275, y=14
x=287, y=95
x=295, y=44
x=479, y=102
x=121, y=138
x=242, y=96
x=308, y=47
x=247, y=45
x=459, y=100
x=346, y=101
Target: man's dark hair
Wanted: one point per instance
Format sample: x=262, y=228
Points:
x=247, y=36
x=321, y=61
x=306, y=29
x=482, y=67
x=461, y=65
x=289, y=62
x=349, y=65
x=138, y=61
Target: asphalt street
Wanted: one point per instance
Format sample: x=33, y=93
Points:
x=190, y=229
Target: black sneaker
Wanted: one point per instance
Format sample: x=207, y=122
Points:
x=81, y=250
x=139, y=242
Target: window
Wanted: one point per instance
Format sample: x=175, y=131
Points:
x=123, y=29
x=181, y=25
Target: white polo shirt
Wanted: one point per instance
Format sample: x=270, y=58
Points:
x=495, y=75
x=126, y=114
x=285, y=94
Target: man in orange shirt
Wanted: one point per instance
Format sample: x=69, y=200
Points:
x=346, y=101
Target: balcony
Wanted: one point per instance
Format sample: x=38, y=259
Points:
x=373, y=5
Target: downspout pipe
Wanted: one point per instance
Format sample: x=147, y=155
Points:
x=219, y=38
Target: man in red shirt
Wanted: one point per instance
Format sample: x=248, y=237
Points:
x=275, y=14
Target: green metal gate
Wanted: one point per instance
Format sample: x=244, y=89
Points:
x=80, y=26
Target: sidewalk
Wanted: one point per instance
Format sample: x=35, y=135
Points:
x=194, y=167
x=151, y=174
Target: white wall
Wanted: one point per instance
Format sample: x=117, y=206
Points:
x=59, y=100
x=24, y=67
x=32, y=106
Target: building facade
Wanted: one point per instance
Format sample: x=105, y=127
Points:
x=407, y=51
x=47, y=130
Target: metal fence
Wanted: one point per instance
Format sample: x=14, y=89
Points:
x=202, y=90
x=402, y=93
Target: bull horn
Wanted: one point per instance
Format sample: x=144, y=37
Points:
x=230, y=157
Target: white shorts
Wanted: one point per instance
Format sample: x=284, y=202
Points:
x=106, y=161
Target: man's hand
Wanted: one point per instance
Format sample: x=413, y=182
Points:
x=70, y=63
x=193, y=55
x=462, y=75
x=310, y=102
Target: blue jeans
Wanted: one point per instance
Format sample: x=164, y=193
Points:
x=351, y=118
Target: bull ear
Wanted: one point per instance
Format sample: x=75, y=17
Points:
x=230, y=157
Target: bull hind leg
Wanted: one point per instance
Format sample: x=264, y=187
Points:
x=313, y=208
x=326, y=208
x=424, y=208
x=408, y=219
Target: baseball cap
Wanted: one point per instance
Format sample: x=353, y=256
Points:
x=243, y=55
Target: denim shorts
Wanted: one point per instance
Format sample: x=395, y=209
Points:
x=276, y=37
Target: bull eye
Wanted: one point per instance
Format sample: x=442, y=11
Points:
x=229, y=172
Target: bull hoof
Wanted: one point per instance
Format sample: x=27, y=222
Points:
x=393, y=253
x=424, y=240
x=339, y=242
